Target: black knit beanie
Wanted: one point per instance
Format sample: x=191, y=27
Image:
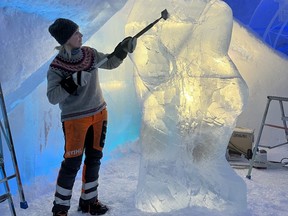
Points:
x=62, y=29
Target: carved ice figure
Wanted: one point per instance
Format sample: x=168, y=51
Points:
x=191, y=94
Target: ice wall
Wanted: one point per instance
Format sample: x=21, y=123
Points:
x=26, y=44
x=27, y=49
x=191, y=96
x=264, y=71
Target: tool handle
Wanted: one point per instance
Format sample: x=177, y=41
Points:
x=146, y=28
x=103, y=61
x=136, y=36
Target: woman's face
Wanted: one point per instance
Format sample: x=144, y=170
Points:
x=75, y=41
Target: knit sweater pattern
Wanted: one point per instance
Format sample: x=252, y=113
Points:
x=88, y=99
x=82, y=61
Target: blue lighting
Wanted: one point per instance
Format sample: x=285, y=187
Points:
x=266, y=18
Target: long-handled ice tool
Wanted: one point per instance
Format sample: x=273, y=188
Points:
x=164, y=15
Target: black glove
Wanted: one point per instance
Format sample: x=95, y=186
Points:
x=81, y=78
x=129, y=44
x=69, y=85
x=125, y=46
x=119, y=52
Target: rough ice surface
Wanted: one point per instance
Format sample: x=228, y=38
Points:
x=191, y=95
x=30, y=19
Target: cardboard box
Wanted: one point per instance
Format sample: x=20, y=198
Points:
x=241, y=141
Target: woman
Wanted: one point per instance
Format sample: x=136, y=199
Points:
x=73, y=83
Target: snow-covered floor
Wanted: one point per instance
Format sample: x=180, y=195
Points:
x=267, y=191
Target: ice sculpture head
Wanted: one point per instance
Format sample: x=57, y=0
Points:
x=192, y=95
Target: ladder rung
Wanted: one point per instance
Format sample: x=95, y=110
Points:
x=271, y=147
x=7, y=178
x=285, y=118
x=4, y=197
x=277, y=98
x=276, y=126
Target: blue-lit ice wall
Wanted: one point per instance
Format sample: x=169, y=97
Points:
x=25, y=42
x=35, y=124
x=266, y=18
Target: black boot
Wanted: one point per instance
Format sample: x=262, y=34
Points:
x=60, y=213
x=96, y=208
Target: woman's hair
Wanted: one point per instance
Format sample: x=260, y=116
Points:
x=65, y=48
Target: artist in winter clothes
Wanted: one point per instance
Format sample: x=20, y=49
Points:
x=73, y=83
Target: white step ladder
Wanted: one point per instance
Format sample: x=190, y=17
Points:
x=284, y=119
x=4, y=179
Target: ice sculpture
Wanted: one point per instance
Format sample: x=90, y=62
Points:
x=191, y=96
